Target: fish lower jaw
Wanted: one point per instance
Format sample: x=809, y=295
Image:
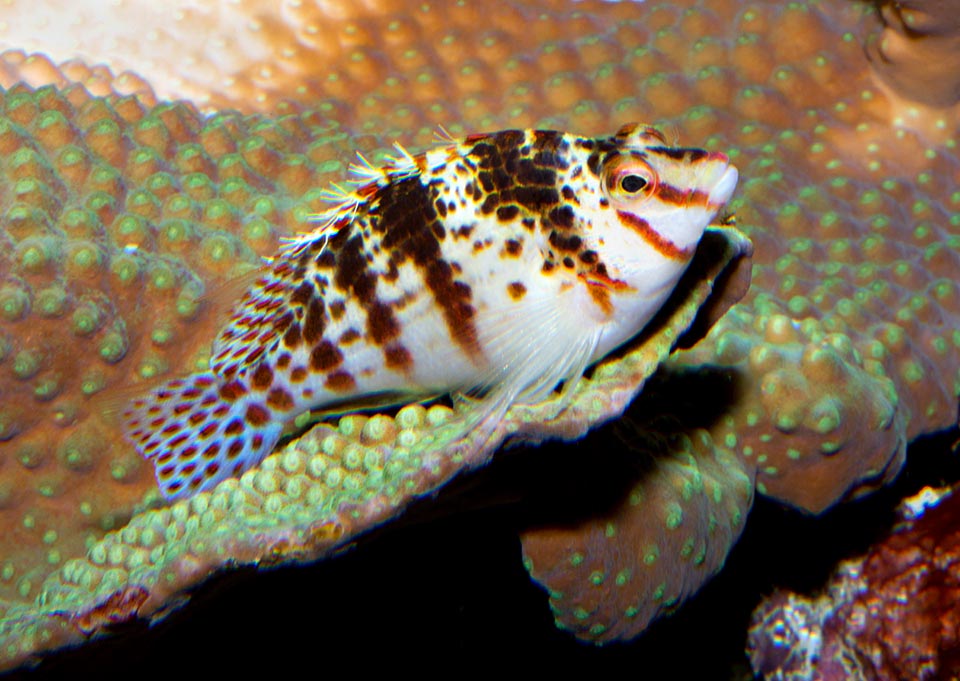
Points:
x=629, y=318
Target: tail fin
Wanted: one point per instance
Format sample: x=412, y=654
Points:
x=199, y=431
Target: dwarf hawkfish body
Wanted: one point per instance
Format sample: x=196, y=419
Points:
x=497, y=266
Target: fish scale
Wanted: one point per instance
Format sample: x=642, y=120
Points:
x=495, y=266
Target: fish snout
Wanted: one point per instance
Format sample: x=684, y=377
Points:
x=720, y=179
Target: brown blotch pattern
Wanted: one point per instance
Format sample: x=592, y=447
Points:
x=340, y=381
x=406, y=221
x=262, y=377
x=280, y=399
x=337, y=307
x=397, y=357
x=292, y=337
x=512, y=248
x=257, y=415
x=315, y=321
x=349, y=336
x=516, y=290
x=232, y=391
x=325, y=356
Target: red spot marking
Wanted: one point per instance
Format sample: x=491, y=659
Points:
x=190, y=393
x=237, y=469
x=663, y=246
x=262, y=377
x=164, y=394
x=149, y=448
x=197, y=418
x=340, y=381
x=178, y=440
x=154, y=410
x=211, y=451
x=164, y=458
x=212, y=469
x=475, y=137
x=234, y=449
x=172, y=428
x=232, y=390
x=234, y=427
x=208, y=401
x=136, y=434
x=280, y=399
x=256, y=354
x=180, y=408
x=397, y=357
x=188, y=452
x=325, y=356
x=208, y=430
x=308, y=393
x=298, y=375
x=174, y=486
x=257, y=441
x=203, y=381
x=349, y=336
x=156, y=423
x=221, y=411
x=166, y=471
x=196, y=482
x=189, y=469
x=257, y=415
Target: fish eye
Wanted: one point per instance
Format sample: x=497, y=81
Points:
x=632, y=183
x=628, y=177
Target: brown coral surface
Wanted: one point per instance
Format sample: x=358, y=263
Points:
x=844, y=349
x=892, y=614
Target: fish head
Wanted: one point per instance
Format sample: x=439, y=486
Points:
x=652, y=203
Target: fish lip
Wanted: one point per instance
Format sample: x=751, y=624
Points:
x=724, y=187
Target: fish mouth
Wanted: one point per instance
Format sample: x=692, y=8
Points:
x=724, y=187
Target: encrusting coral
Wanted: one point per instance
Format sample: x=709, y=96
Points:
x=891, y=614
x=844, y=349
x=918, y=52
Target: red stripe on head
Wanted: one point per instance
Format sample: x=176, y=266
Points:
x=680, y=197
x=664, y=246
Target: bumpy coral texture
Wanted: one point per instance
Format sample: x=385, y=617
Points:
x=890, y=615
x=118, y=220
x=324, y=489
x=844, y=349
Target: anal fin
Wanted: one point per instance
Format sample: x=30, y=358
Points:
x=198, y=432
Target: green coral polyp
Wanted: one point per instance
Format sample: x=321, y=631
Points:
x=113, y=347
x=14, y=303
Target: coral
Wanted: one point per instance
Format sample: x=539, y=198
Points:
x=119, y=218
x=322, y=490
x=844, y=349
x=891, y=614
x=611, y=575
x=918, y=52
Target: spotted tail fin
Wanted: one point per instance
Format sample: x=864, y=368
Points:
x=198, y=431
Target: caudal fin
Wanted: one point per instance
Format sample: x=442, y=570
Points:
x=198, y=431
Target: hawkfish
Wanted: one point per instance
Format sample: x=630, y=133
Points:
x=497, y=266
